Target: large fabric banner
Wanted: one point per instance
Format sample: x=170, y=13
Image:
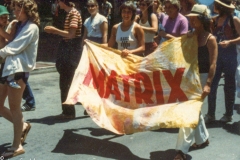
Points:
x=133, y=94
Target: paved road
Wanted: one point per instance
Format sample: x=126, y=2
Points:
x=82, y=139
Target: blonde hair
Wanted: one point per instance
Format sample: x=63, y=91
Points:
x=30, y=8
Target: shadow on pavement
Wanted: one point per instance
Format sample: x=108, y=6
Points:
x=50, y=120
x=233, y=128
x=237, y=108
x=165, y=155
x=99, y=132
x=168, y=130
x=72, y=143
x=3, y=147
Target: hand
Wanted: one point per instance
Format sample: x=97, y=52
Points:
x=225, y=44
x=14, y=24
x=162, y=33
x=125, y=52
x=50, y=29
x=206, y=91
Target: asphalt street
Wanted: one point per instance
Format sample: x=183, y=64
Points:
x=82, y=139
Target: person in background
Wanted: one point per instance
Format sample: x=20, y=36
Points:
x=69, y=53
x=106, y=10
x=174, y=24
x=29, y=104
x=158, y=9
x=207, y=56
x=21, y=51
x=128, y=35
x=186, y=6
x=227, y=30
x=149, y=23
x=96, y=26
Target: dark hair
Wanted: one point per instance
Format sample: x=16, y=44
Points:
x=222, y=10
x=206, y=21
x=30, y=8
x=68, y=3
x=149, y=9
x=128, y=5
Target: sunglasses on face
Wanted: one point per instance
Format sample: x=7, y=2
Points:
x=91, y=6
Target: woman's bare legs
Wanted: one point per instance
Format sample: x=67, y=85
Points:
x=15, y=98
x=14, y=115
x=4, y=111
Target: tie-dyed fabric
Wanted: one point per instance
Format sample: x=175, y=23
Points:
x=134, y=94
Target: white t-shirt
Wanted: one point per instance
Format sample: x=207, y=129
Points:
x=93, y=25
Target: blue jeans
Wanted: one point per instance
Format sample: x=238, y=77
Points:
x=227, y=64
x=28, y=96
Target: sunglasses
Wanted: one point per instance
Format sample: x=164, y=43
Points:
x=90, y=6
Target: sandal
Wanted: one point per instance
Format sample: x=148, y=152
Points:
x=180, y=156
x=198, y=146
x=25, y=132
x=12, y=153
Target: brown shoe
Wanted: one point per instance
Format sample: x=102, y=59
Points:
x=25, y=132
x=180, y=156
x=64, y=116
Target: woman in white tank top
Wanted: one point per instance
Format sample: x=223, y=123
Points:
x=149, y=23
x=128, y=35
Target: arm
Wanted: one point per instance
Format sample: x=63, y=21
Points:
x=154, y=27
x=73, y=25
x=10, y=33
x=104, y=30
x=66, y=34
x=213, y=53
x=84, y=36
x=26, y=36
x=226, y=43
x=112, y=39
x=139, y=34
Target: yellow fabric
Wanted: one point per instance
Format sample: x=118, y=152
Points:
x=135, y=94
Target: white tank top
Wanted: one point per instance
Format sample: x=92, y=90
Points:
x=148, y=35
x=126, y=39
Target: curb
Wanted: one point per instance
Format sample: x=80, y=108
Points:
x=44, y=67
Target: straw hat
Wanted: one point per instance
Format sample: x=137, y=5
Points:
x=226, y=4
x=3, y=10
x=198, y=9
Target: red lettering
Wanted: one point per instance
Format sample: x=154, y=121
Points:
x=126, y=87
x=98, y=82
x=147, y=93
x=112, y=82
x=174, y=83
x=158, y=87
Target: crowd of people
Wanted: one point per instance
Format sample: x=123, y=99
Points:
x=143, y=27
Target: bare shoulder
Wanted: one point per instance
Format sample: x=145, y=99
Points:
x=137, y=27
x=211, y=40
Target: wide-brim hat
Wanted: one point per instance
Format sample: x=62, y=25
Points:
x=231, y=6
x=198, y=9
x=3, y=10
